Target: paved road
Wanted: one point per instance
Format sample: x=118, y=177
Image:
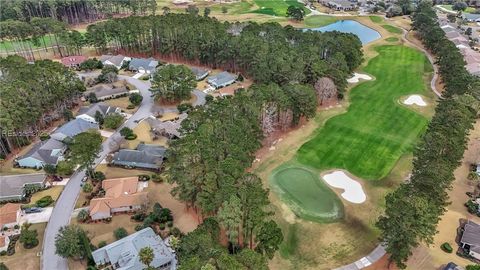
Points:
x=66, y=202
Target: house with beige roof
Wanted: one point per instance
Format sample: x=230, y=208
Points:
x=121, y=195
x=9, y=215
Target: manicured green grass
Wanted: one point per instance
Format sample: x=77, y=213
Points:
x=307, y=195
x=392, y=39
x=376, y=19
x=449, y=7
x=277, y=7
x=9, y=45
x=376, y=130
x=234, y=8
x=392, y=29
x=319, y=20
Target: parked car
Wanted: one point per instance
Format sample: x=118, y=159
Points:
x=32, y=210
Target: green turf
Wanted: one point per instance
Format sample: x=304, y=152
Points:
x=9, y=45
x=319, y=20
x=233, y=8
x=376, y=19
x=277, y=7
x=449, y=7
x=392, y=29
x=376, y=130
x=307, y=195
x=392, y=39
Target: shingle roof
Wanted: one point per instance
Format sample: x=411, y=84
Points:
x=73, y=60
x=44, y=151
x=146, y=156
x=8, y=213
x=221, y=78
x=12, y=185
x=200, y=73
x=471, y=234
x=167, y=127
x=104, y=91
x=124, y=252
x=114, y=59
x=103, y=108
x=147, y=64
x=452, y=266
x=73, y=128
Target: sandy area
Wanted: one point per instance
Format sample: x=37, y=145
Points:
x=353, y=191
x=357, y=77
x=415, y=100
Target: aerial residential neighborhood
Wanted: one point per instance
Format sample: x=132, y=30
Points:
x=239, y=134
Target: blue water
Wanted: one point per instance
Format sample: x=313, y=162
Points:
x=364, y=33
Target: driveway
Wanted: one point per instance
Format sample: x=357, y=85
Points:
x=41, y=217
x=66, y=202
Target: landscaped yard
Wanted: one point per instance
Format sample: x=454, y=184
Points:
x=376, y=131
x=26, y=258
x=319, y=20
x=277, y=8
x=449, y=7
x=142, y=130
x=121, y=103
x=52, y=191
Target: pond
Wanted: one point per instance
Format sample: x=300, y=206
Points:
x=364, y=33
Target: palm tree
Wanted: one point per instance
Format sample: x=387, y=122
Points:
x=146, y=256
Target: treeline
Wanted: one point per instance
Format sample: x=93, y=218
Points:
x=265, y=52
x=209, y=168
x=73, y=11
x=414, y=209
x=32, y=96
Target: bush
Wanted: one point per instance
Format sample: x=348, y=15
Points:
x=82, y=215
x=120, y=233
x=176, y=232
x=135, y=99
x=139, y=227
x=3, y=253
x=113, y=120
x=45, y=201
x=157, y=178
x=184, y=107
x=143, y=177
x=446, y=247
x=102, y=244
x=126, y=131
x=162, y=226
x=472, y=207
x=170, y=224
x=98, y=176
x=16, y=227
x=44, y=136
x=139, y=216
x=65, y=168
x=130, y=106
x=131, y=137
x=87, y=188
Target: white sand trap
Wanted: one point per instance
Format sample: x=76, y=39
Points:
x=415, y=100
x=353, y=191
x=357, y=76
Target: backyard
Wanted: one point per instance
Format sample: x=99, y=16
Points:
x=26, y=258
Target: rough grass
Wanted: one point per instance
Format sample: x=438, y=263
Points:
x=376, y=19
x=392, y=29
x=376, y=130
x=319, y=20
x=277, y=8
x=26, y=258
x=392, y=39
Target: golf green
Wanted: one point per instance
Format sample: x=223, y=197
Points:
x=376, y=130
x=307, y=196
x=277, y=8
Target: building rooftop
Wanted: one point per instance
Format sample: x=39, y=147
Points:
x=8, y=213
x=471, y=234
x=12, y=185
x=73, y=60
x=221, y=78
x=106, y=91
x=46, y=151
x=103, y=108
x=114, y=59
x=139, y=63
x=72, y=128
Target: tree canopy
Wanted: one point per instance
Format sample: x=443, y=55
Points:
x=173, y=83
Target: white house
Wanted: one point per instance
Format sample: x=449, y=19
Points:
x=114, y=60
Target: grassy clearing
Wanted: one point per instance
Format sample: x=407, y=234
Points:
x=449, y=7
x=319, y=20
x=9, y=46
x=376, y=19
x=277, y=8
x=26, y=258
x=53, y=191
x=376, y=131
x=392, y=39
x=392, y=29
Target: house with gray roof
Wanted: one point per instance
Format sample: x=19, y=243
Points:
x=470, y=240
x=103, y=92
x=45, y=152
x=145, y=156
x=470, y=17
x=114, y=60
x=221, y=79
x=200, y=73
x=88, y=113
x=12, y=187
x=452, y=266
x=142, y=65
x=72, y=128
x=123, y=254
x=169, y=129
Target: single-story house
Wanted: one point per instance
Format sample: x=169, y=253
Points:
x=103, y=92
x=169, y=129
x=121, y=195
x=72, y=128
x=341, y=5
x=4, y=242
x=470, y=241
x=143, y=65
x=9, y=215
x=470, y=17
x=221, y=79
x=448, y=28
x=123, y=254
x=12, y=186
x=45, y=152
x=88, y=113
x=114, y=60
x=200, y=73
x=146, y=156
x=452, y=266
x=73, y=61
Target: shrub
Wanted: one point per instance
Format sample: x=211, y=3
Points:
x=139, y=227
x=130, y=106
x=120, y=233
x=44, y=136
x=98, y=176
x=170, y=224
x=65, y=168
x=471, y=207
x=139, y=217
x=143, y=177
x=28, y=237
x=87, y=188
x=45, y=201
x=113, y=120
x=82, y=215
x=102, y=244
x=446, y=247
x=208, y=98
x=131, y=137
x=162, y=226
x=135, y=99
x=126, y=131
x=16, y=227
x=3, y=253
x=184, y=107
x=157, y=178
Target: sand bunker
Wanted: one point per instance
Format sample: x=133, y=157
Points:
x=353, y=191
x=415, y=100
x=357, y=76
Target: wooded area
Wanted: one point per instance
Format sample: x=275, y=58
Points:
x=414, y=209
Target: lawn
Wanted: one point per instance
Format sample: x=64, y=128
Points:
x=392, y=39
x=376, y=19
x=376, y=131
x=319, y=20
x=277, y=8
x=52, y=191
x=392, y=29
x=449, y=7
x=8, y=46
x=26, y=258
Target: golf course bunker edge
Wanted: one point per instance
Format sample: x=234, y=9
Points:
x=307, y=195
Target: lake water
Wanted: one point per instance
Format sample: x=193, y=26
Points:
x=364, y=33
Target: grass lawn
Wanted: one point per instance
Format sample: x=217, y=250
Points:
x=52, y=191
x=121, y=103
x=392, y=29
x=26, y=258
x=376, y=131
x=142, y=130
x=376, y=19
x=392, y=39
x=8, y=46
x=319, y=20
x=449, y=7
x=277, y=8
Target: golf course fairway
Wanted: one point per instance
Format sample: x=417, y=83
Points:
x=376, y=130
x=307, y=195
